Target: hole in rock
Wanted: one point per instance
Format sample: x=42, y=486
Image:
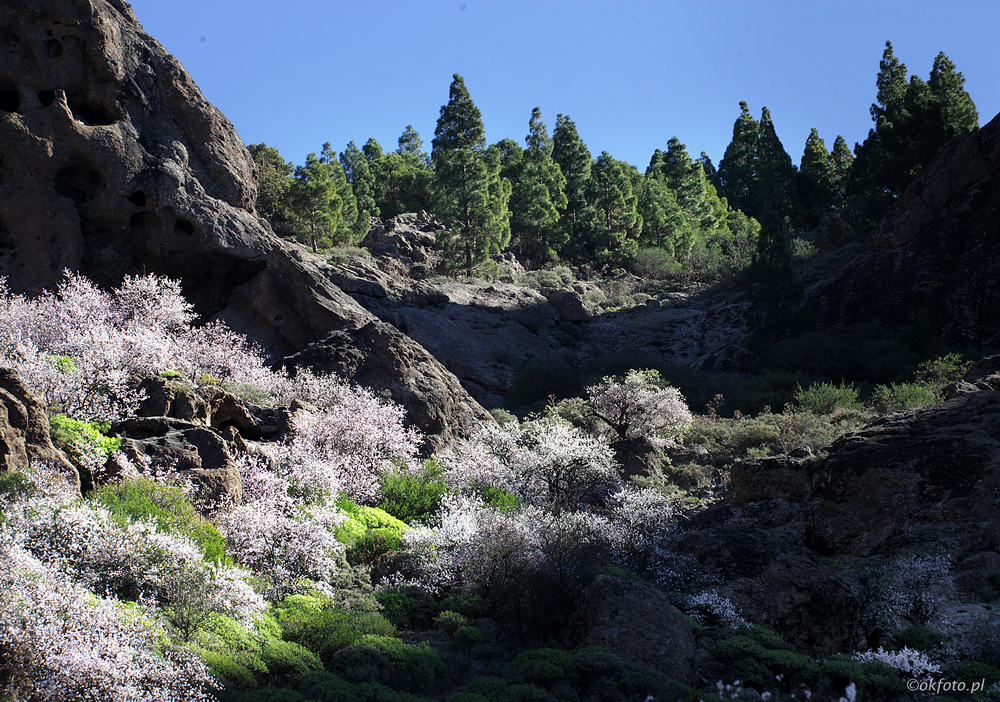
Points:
x=79, y=182
x=46, y=97
x=89, y=112
x=138, y=198
x=10, y=99
x=54, y=48
x=182, y=226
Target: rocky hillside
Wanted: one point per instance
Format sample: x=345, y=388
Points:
x=934, y=254
x=113, y=163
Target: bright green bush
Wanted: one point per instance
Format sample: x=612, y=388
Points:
x=919, y=638
x=232, y=674
x=288, y=661
x=76, y=438
x=825, y=398
x=168, y=506
x=320, y=624
x=413, y=497
x=902, y=396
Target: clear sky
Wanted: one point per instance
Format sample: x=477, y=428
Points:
x=631, y=74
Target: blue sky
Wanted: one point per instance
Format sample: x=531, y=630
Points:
x=630, y=74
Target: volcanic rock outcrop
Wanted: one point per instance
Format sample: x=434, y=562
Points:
x=113, y=163
x=934, y=257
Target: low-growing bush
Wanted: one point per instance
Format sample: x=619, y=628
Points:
x=407, y=606
x=410, y=497
x=824, y=398
x=901, y=396
x=467, y=604
x=168, y=506
x=322, y=625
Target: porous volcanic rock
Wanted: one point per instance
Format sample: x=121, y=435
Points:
x=934, y=256
x=926, y=479
x=24, y=434
x=113, y=163
x=637, y=622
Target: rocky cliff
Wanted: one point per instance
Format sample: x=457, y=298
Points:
x=113, y=163
x=935, y=255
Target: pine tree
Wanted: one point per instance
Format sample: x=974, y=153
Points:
x=410, y=143
x=776, y=176
x=842, y=160
x=347, y=222
x=314, y=204
x=577, y=219
x=913, y=119
x=737, y=173
x=469, y=194
x=664, y=225
x=274, y=178
x=817, y=181
x=539, y=196
x=359, y=175
x=618, y=221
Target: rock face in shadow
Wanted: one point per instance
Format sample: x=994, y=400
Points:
x=637, y=622
x=934, y=256
x=113, y=163
x=927, y=478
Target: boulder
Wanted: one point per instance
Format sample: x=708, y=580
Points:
x=775, y=583
x=379, y=357
x=24, y=434
x=637, y=622
x=193, y=452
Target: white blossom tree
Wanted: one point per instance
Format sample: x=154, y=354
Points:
x=641, y=405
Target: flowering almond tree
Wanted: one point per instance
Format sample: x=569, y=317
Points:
x=640, y=405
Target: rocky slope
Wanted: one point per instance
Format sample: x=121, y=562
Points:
x=934, y=255
x=113, y=163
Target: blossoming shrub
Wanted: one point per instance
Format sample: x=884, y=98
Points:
x=63, y=644
x=641, y=405
x=546, y=462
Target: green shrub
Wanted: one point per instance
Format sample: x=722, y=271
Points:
x=168, y=506
x=410, y=497
x=824, y=398
x=655, y=264
x=942, y=370
x=76, y=437
x=565, y=274
x=320, y=624
x=919, y=638
x=500, y=690
x=497, y=497
x=231, y=673
x=410, y=667
x=502, y=416
x=902, y=396
x=972, y=670
x=288, y=661
x=231, y=639
x=467, y=604
x=544, y=666
x=449, y=622
x=407, y=606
